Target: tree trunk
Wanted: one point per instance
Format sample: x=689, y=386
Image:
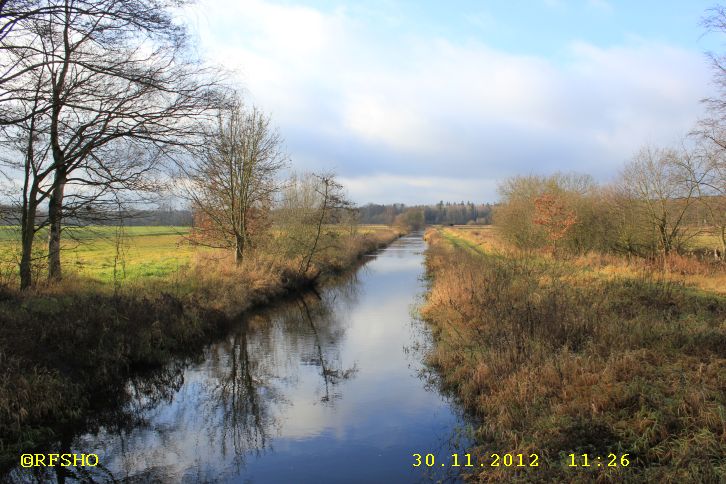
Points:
x=55, y=203
x=55, y=218
x=665, y=241
x=239, y=250
x=318, y=228
x=27, y=218
x=27, y=227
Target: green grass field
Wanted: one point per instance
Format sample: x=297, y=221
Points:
x=93, y=252
x=706, y=240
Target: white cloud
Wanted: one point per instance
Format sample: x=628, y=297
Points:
x=369, y=101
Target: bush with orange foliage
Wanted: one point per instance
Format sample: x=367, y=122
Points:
x=552, y=214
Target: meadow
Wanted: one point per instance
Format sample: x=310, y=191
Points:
x=95, y=252
x=132, y=255
x=593, y=354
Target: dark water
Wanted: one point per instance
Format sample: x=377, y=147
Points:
x=321, y=389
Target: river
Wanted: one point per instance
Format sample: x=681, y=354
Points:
x=328, y=387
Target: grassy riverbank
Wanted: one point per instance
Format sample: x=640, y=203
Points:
x=67, y=349
x=555, y=358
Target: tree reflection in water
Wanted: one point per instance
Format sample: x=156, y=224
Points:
x=202, y=419
x=331, y=376
x=238, y=397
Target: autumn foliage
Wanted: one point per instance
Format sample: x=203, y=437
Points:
x=552, y=214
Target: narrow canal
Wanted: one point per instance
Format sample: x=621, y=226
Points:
x=325, y=388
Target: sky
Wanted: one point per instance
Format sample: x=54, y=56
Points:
x=421, y=101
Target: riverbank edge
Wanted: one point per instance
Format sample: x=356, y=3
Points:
x=61, y=355
x=600, y=419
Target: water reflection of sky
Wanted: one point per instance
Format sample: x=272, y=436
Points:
x=316, y=391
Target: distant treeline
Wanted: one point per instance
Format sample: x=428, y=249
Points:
x=155, y=217
x=179, y=218
x=458, y=213
x=442, y=213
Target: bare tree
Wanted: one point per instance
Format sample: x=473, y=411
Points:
x=659, y=185
x=116, y=91
x=711, y=177
x=712, y=191
x=233, y=182
x=309, y=204
x=707, y=170
x=26, y=153
x=713, y=125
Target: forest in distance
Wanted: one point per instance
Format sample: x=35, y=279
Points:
x=204, y=279
x=456, y=213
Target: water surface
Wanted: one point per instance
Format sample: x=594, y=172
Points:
x=324, y=388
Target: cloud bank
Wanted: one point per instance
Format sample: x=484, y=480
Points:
x=403, y=116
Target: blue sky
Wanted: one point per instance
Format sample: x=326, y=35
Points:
x=421, y=101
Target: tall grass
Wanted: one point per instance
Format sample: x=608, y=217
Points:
x=704, y=273
x=555, y=363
